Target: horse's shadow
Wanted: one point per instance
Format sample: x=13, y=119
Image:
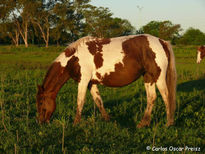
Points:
x=192, y=85
x=127, y=119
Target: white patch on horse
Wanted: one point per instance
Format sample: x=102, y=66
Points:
x=198, y=56
x=161, y=58
x=62, y=59
x=80, y=42
x=112, y=54
x=85, y=61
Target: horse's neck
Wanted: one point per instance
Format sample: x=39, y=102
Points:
x=55, y=78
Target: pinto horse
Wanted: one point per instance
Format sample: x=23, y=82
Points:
x=200, y=53
x=113, y=62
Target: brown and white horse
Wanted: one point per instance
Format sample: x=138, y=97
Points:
x=200, y=53
x=113, y=62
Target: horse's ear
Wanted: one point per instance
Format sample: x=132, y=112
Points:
x=40, y=88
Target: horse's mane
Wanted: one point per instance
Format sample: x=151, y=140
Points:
x=80, y=41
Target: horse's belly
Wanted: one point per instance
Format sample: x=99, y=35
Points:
x=122, y=76
x=118, y=81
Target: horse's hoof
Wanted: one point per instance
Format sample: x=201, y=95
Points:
x=143, y=124
x=106, y=117
x=76, y=121
x=169, y=124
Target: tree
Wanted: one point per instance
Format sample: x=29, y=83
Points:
x=57, y=20
x=100, y=23
x=17, y=12
x=119, y=27
x=42, y=18
x=22, y=17
x=169, y=31
x=162, y=29
x=192, y=37
x=8, y=25
x=68, y=19
x=9, y=29
x=152, y=28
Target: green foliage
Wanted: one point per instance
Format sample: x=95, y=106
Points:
x=152, y=28
x=100, y=23
x=60, y=21
x=162, y=29
x=23, y=68
x=192, y=37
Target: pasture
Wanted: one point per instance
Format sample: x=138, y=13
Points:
x=22, y=69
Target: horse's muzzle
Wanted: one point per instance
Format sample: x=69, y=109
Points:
x=42, y=121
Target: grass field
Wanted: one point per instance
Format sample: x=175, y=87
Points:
x=22, y=69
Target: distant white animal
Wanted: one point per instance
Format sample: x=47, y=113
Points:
x=200, y=53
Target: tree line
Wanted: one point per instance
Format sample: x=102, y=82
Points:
x=56, y=21
x=173, y=32
x=62, y=21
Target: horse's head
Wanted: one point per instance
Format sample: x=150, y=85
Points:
x=200, y=53
x=45, y=103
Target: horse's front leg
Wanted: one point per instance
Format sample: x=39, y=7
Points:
x=98, y=100
x=82, y=88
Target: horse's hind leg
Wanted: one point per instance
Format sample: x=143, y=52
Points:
x=151, y=97
x=98, y=100
x=162, y=86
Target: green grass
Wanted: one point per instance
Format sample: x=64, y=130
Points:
x=22, y=69
x=27, y=58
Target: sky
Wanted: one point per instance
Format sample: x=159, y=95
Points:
x=187, y=13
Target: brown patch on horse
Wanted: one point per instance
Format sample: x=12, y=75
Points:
x=202, y=50
x=55, y=78
x=73, y=68
x=95, y=48
x=58, y=75
x=152, y=70
x=69, y=51
x=98, y=60
x=118, y=77
x=94, y=81
x=92, y=47
x=144, y=56
x=98, y=75
x=139, y=60
x=165, y=47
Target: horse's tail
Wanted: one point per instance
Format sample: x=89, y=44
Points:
x=171, y=82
